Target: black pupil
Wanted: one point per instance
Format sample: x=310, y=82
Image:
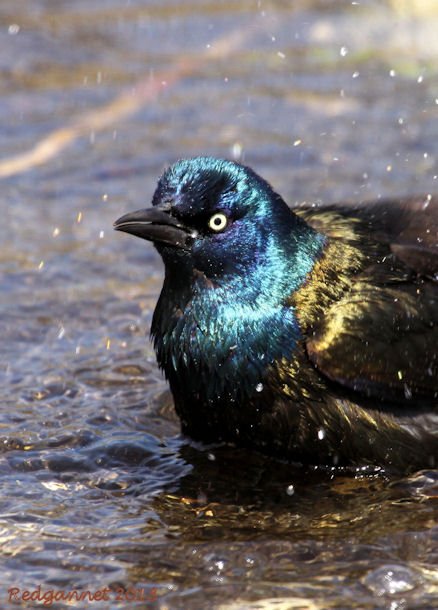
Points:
x=217, y=221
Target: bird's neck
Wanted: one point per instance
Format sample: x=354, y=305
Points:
x=218, y=337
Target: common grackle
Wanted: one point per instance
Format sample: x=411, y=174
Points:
x=309, y=334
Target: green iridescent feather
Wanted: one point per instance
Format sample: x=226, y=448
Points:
x=310, y=334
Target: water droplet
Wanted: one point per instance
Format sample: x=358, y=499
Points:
x=13, y=29
x=408, y=392
x=391, y=580
x=321, y=434
x=281, y=55
x=259, y=387
x=297, y=142
x=236, y=150
x=392, y=73
x=343, y=51
x=427, y=201
x=56, y=232
x=355, y=74
x=290, y=490
x=211, y=457
x=101, y=234
x=61, y=332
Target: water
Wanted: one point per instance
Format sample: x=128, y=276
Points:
x=99, y=494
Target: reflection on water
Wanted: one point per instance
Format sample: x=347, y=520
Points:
x=327, y=100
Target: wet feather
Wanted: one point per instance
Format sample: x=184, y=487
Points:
x=311, y=333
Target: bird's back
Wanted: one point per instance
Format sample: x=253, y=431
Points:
x=369, y=312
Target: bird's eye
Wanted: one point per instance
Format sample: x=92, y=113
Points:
x=218, y=222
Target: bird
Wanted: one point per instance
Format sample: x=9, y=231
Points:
x=308, y=333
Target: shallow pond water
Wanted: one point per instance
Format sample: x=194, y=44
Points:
x=99, y=493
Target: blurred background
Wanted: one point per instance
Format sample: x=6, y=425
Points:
x=328, y=100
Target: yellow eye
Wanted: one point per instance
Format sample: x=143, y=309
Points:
x=218, y=222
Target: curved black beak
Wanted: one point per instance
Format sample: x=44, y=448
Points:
x=157, y=225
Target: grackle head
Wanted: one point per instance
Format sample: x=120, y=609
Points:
x=217, y=217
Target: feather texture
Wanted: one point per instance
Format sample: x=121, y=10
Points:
x=310, y=333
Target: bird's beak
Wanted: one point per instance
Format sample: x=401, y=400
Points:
x=157, y=225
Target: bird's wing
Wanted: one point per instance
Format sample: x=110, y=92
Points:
x=381, y=337
x=408, y=226
x=381, y=341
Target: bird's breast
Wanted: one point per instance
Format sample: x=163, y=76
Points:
x=224, y=353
